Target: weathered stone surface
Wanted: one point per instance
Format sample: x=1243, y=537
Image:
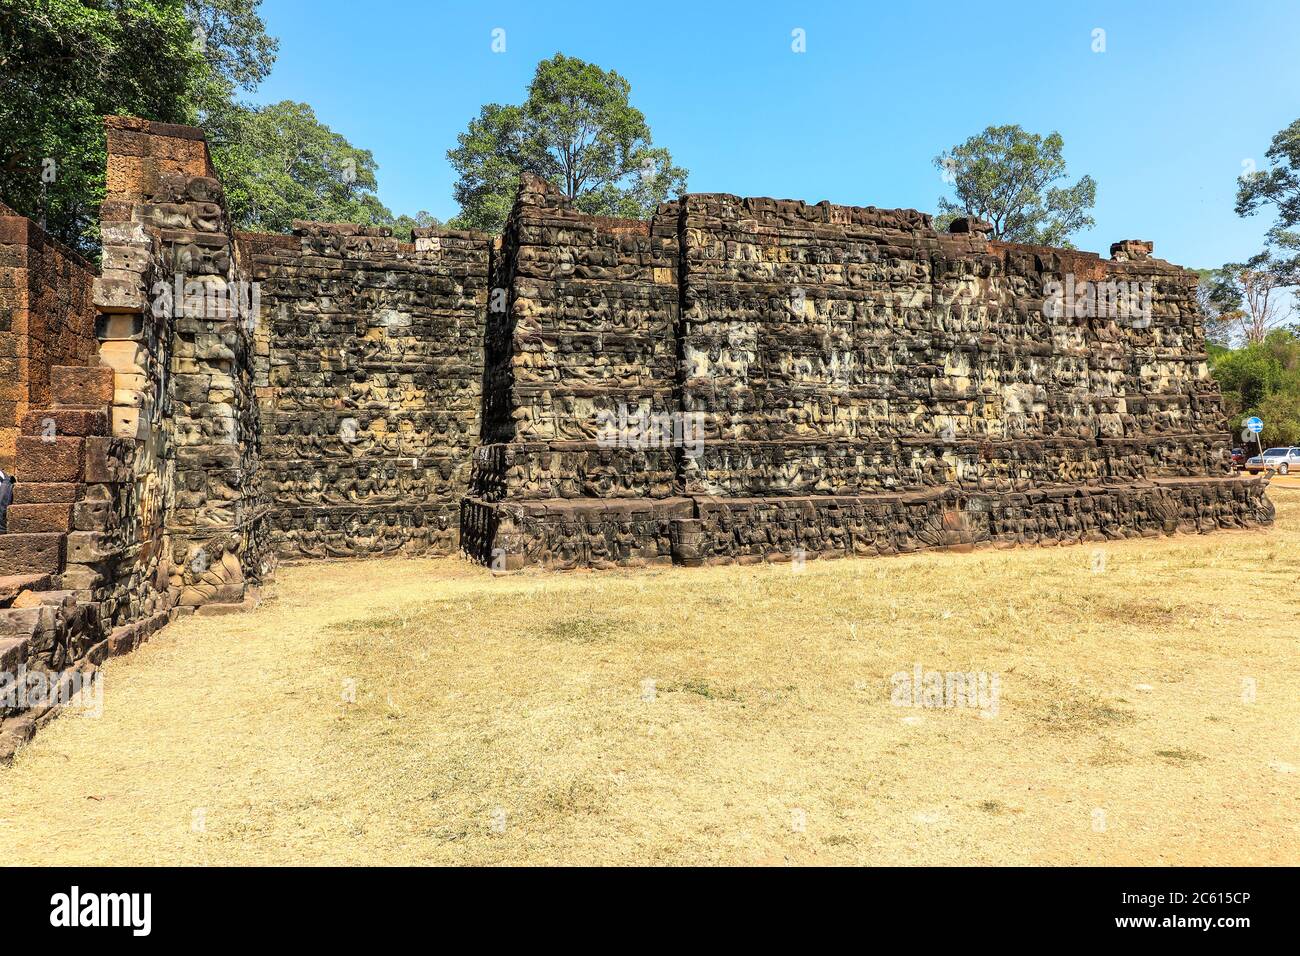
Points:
x=46, y=320
x=43, y=492
x=82, y=385
x=39, y=553
x=14, y=584
x=51, y=459
x=68, y=422
x=369, y=367
x=849, y=380
x=39, y=518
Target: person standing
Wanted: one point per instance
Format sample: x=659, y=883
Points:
x=6, y=496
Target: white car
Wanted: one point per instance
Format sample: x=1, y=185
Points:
x=1281, y=460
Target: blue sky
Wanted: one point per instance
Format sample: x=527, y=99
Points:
x=1163, y=119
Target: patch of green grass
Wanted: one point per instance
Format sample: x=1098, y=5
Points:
x=702, y=688
x=580, y=629
x=1179, y=756
x=1109, y=753
x=578, y=795
x=369, y=625
x=1144, y=612
x=1065, y=709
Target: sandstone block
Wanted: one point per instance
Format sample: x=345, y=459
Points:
x=45, y=492
x=119, y=291
x=81, y=577
x=92, y=515
x=103, y=461
x=31, y=553
x=39, y=518
x=45, y=460
x=14, y=584
x=66, y=422
x=124, y=357
x=90, y=547
x=129, y=423
x=75, y=385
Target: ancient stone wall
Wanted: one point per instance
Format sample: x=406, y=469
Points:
x=47, y=343
x=46, y=319
x=732, y=380
x=585, y=332
x=369, y=377
x=840, y=380
x=177, y=330
x=138, y=494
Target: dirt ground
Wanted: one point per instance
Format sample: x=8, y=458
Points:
x=1136, y=703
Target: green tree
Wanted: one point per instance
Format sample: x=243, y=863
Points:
x=280, y=163
x=1220, y=305
x=576, y=129
x=64, y=65
x=1255, y=293
x=1262, y=378
x=1277, y=186
x=403, y=225
x=1281, y=414
x=1004, y=175
x=1246, y=377
x=237, y=51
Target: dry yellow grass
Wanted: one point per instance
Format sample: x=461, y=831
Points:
x=501, y=720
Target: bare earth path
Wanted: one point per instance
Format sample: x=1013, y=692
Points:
x=424, y=712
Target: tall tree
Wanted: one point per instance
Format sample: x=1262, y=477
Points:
x=1004, y=175
x=402, y=225
x=1220, y=306
x=578, y=130
x=236, y=48
x=280, y=163
x=1255, y=292
x=1277, y=186
x=64, y=65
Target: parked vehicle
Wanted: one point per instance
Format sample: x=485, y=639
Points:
x=1238, y=459
x=1281, y=460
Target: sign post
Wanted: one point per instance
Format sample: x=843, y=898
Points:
x=1255, y=426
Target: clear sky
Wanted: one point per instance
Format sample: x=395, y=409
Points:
x=1184, y=93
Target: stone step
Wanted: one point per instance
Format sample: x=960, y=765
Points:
x=13, y=585
x=36, y=519
x=31, y=553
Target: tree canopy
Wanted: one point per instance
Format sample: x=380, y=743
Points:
x=279, y=163
x=1220, y=306
x=578, y=130
x=236, y=49
x=1005, y=176
x=65, y=64
x=1262, y=378
x=1277, y=186
x=1247, y=301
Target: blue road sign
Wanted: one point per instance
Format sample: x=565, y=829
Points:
x=1254, y=425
